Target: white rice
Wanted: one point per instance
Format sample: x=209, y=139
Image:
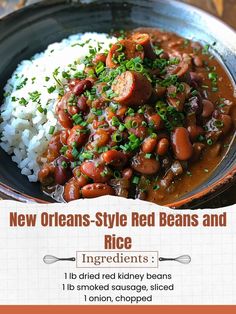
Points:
x=24, y=129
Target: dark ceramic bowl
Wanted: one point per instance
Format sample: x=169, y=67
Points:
x=33, y=28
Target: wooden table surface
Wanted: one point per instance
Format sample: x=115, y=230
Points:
x=223, y=9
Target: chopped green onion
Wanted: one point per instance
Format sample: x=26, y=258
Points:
x=134, y=124
x=115, y=121
x=97, y=112
x=219, y=123
x=77, y=118
x=99, y=68
x=23, y=101
x=116, y=137
x=209, y=142
x=64, y=164
x=51, y=89
x=122, y=127
x=40, y=109
x=156, y=187
x=130, y=112
x=139, y=47
x=135, y=180
x=117, y=174
x=63, y=149
x=120, y=47
x=51, y=130
x=213, y=76
x=75, y=153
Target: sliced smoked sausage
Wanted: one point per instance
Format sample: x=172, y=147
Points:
x=126, y=47
x=132, y=89
x=145, y=41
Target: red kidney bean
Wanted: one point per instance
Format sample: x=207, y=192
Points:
x=63, y=102
x=187, y=90
x=191, y=119
x=72, y=110
x=162, y=147
x=128, y=47
x=197, y=61
x=46, y=174
x=71, y=190
x=127, y=173
x=76, y=172
x=77, y=135
x=115, y=158
x=82, y=180
x=82, y=103
x=96, y=190
x=72, y=83
x=194, y=131
x=54, y=147
x=96, y=172
x=176, y=102
x=227, y=123
x=121, y=111
x=160, y=91
x=140, y=132
x=176, y=99
x=156, y=121
x=61, y=175
x=181, y=144
x=144, y=165
x=62, y=170
x=100, y=138
x=64, y=119
x=64, y=136
x=196, y=77
x=100, y=57
x=149, y=145
x=134, y=121
x=164, y=55
x=208, y=108
x=82, y=86
x=68, y=154
x=60, y=160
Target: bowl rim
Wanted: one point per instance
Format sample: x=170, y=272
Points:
x=215, y=188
